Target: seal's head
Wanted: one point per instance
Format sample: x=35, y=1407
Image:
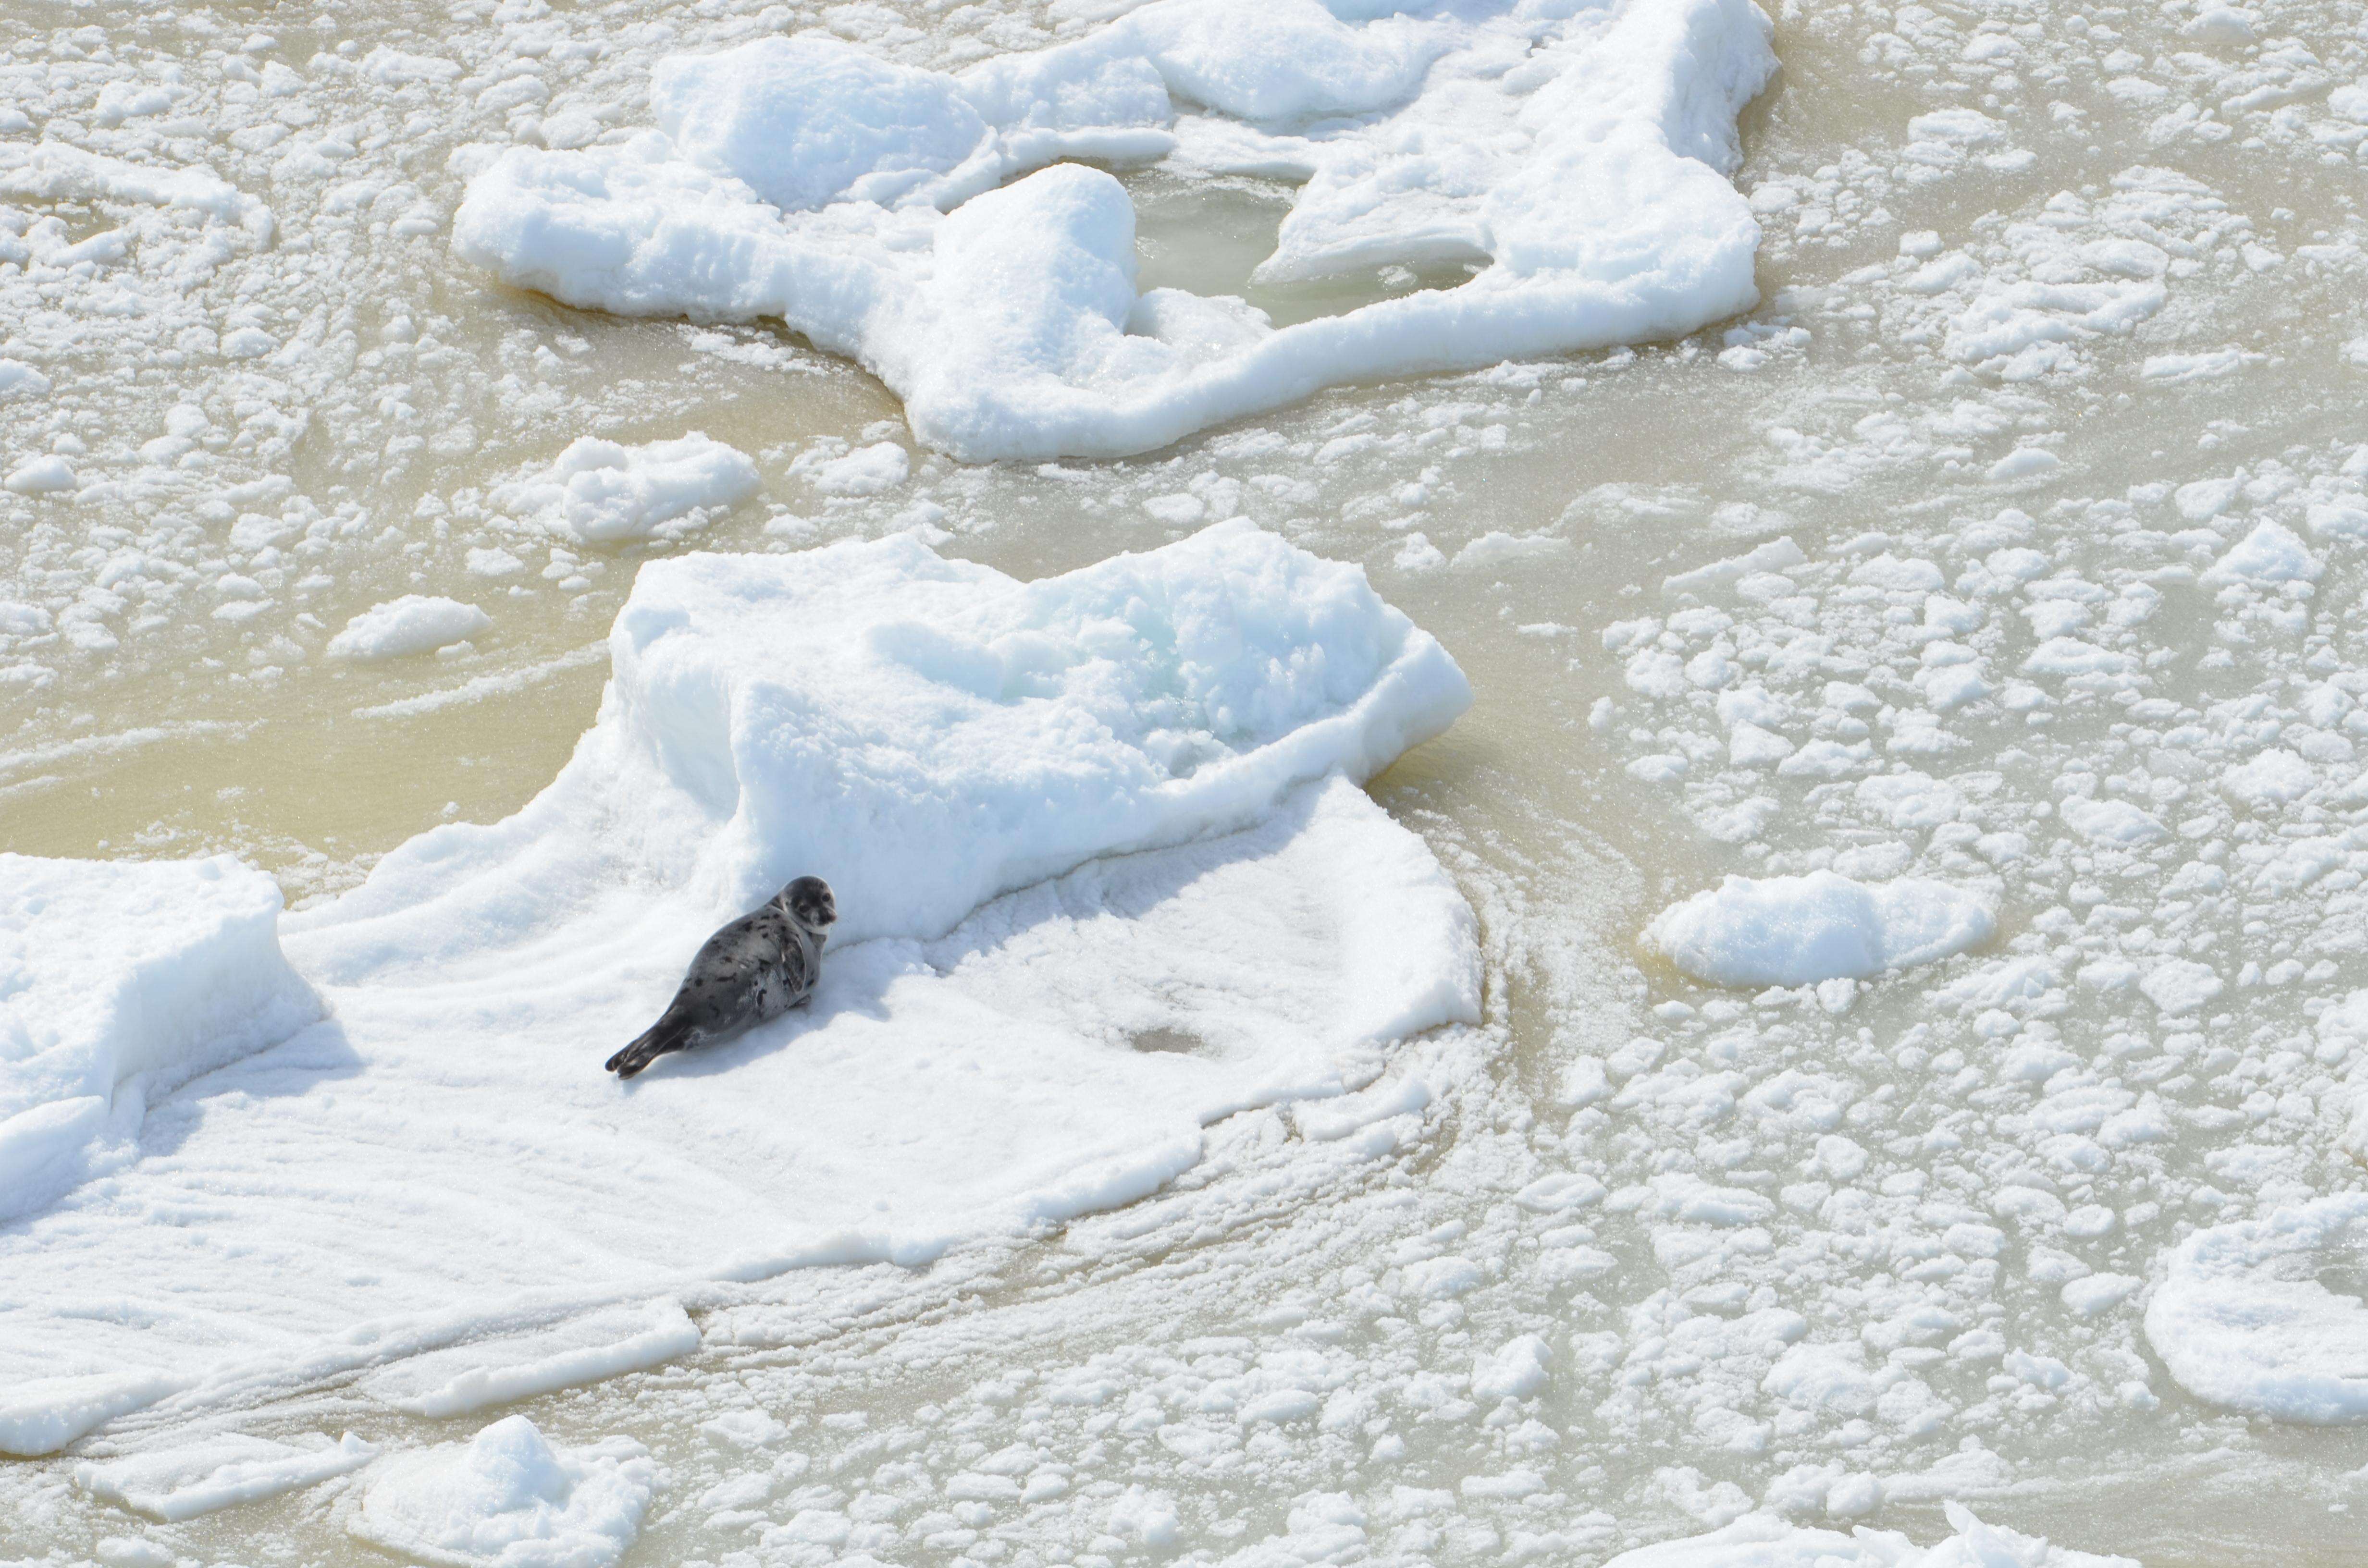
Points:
x=810, y=903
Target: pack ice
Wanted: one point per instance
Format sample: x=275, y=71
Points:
x=1574, y=156
x=1105, y=877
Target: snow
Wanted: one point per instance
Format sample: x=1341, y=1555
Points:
x=40, y=476
x=874, y=208
x=867, y=471
x=770, y=712
x=508, y=1498
x=581, y=1350
x=1799, y=930
x=119, y=982
x=416, y=623
x=602, y=492
x=1104, y=879
x=1762, y=1540
x=2272, y=553
x=2241, y=1319
x=190, y=1479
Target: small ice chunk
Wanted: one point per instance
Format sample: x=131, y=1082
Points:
x=509, y=1499
x=2110, y=821
x=867, y=471
x=414, y=623
x=2273, y=778
x=47, y=475
x=20, y=380
x=178, y=1484
x=1799, y=930
x=2202, y=500
x=1776, y=555
x=1515, y=1372
x=607, y=493
x=2271, y=553
x=2181, y=986
x=2100, y=1292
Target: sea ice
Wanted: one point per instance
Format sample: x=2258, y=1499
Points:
x=1149, y=760
x=1761, y=1540
x=416, y=623
x=508, y=1498
x=923, y=733
x=1576, y=161
x=184, y=1481
x=119, y=980
x=581, y=1349
x=2242, y=1319
x=1799, y=930
x=605, y=492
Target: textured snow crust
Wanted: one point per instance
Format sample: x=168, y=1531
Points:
x=119, y=982
x=924, y=734
x=1575, y=159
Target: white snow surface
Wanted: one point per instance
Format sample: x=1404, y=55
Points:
x=1761, y=1540
x=1801, y=930
x=416, y=623
x=2242, y=1319
x=923, y=733
x=602, y=492
x=1199, y=913
x=118, y=982
x=189, y=1479
x=1576, y=158
x=508, y=1498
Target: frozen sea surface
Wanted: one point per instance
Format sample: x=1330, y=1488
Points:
x=2007, y=549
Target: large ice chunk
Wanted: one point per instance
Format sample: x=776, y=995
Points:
x=509, y=1499
x=1576, y=157
x=1799, y=930
x=805, y=121
x=924, y=734
x=2242, y=1320
x=118, y=982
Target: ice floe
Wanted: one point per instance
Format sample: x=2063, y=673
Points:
x=1573, y=160
x=1761, y=1541
x=1104, y=879
x=603, y=492
x=189, y=1479
x=416, y=623
x=2243, y=1317
x=1801, y=930
x=510, y=1498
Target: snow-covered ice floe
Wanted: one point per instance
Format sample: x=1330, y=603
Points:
x=1576, y=157
x=118, y=982
x=2244, y=1317
x=183, y=1481
x=1759, y=1540
x=1105, y=877
x=607, y=493
x=1801, y=930
x=510, y=1498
